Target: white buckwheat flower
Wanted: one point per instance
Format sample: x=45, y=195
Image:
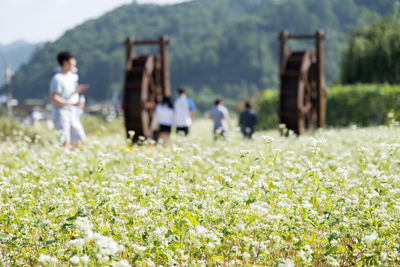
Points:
x=74, y=259
x=370, y=238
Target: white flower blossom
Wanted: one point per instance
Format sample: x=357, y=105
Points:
x=74, y=260
x=370, y=238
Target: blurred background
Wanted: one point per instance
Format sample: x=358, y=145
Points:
x=219, y=49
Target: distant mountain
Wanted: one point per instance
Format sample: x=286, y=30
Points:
x=14, y=45
x=220, y=48
x=15, y=54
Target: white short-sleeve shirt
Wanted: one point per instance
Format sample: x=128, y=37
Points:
x=182, y=112
x=64, y=84
x=165, y=115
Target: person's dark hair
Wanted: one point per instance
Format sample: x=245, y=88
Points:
x=217, y=102
x=248, y=105
x=64, y=56
x=167, y=101
x=181, y=91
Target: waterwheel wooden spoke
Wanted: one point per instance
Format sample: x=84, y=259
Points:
x=146, y=82
x=302, y=86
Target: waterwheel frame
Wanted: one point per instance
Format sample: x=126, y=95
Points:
x=146, y=82
x=302, y=85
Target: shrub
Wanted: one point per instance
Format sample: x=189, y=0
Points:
x=95, y=125
x=360, y=104
x=267, y=109
x=16, y=131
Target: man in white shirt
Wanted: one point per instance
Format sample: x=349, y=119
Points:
x=63, y=89
x=183, y=112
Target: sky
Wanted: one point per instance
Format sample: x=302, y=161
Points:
x=46, y=20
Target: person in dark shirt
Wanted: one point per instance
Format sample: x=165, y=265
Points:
x=248, y=121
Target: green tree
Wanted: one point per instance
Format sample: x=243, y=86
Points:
x=373, y=53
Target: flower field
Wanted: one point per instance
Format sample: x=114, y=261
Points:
x=326, y=199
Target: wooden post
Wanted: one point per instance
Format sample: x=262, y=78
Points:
x=8, y=93
x=164, y=65
x=319, y=36
x=283, y=36
x=128, y=48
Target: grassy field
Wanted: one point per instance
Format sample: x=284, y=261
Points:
x=327, y=198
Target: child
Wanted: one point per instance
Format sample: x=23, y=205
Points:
x=63, y=90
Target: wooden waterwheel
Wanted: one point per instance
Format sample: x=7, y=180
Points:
x=302, y=85
x=146, y=82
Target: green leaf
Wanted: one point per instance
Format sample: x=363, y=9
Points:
x=50, y=209
x=331, y=250
x=65, y=225
x=368, y=255
x=105, y=230
x=49, y=242
x=104, y=201
x=3, y=237
x=135, y=258
x=192, y=219
x=250, y=200
x=114, y=211
x=333, y=236
x=92, y=203
x=79, y=213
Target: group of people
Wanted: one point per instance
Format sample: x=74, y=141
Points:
x=180, y=114
x=220, y=116
x=68, y=105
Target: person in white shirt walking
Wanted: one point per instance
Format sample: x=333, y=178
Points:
x=219, y=114
x=63, y=91
x=183, y=112
x=165, y=116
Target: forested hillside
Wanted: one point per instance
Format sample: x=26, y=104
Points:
x=222, y=48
